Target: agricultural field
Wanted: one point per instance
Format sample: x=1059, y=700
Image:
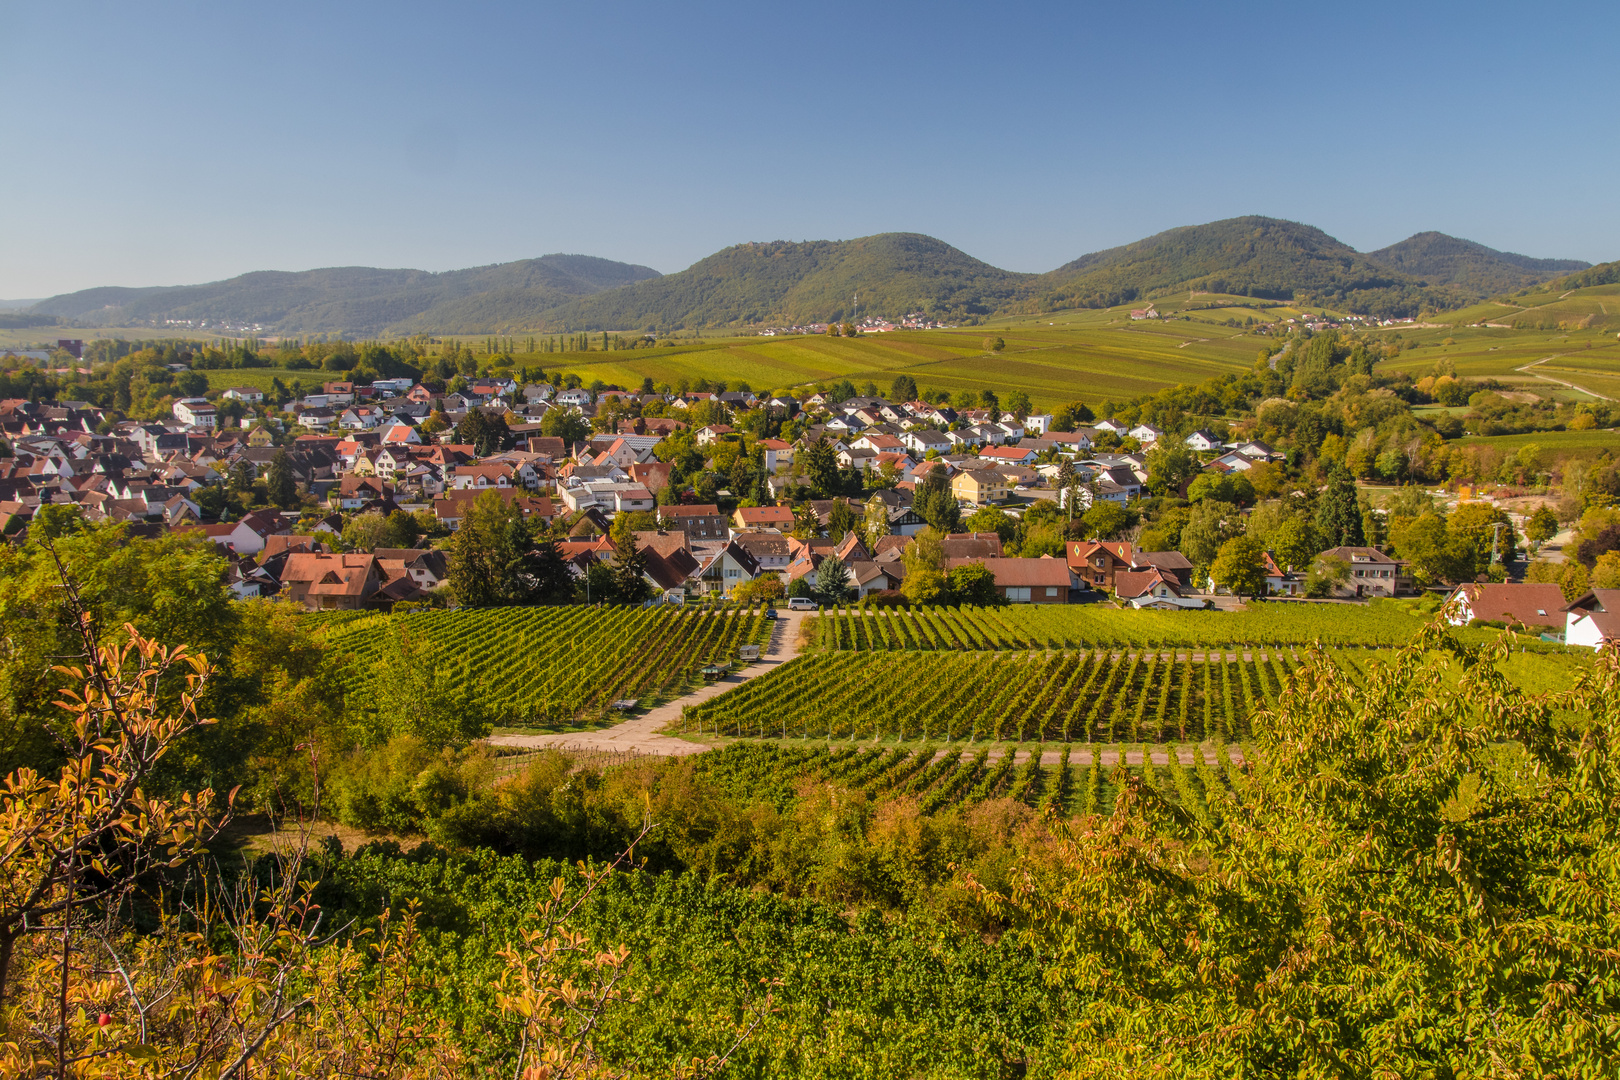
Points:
x=259, y=378
x=553, y=666
x=31, y=337
x=1061, y=626
x=949, y=778
x=1003, y=697
x=1012, y=698
x=1493, y=353
x=1053, y=365
x=1556, y=443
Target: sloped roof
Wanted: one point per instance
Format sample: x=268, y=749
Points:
x=1526, y=602
x=1021, y=573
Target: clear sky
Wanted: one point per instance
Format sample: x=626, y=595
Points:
x=171, y=143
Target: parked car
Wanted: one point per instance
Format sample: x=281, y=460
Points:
x=801, y=603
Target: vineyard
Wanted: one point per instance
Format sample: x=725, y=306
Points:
x=977, y=696
x=557, y=665
x=944, y=779
x=1095, y=626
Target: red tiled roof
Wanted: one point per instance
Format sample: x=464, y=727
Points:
x=1526, y=602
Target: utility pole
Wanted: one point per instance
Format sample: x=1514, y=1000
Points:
x=1496, y=537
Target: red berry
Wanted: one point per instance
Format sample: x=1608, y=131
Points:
x=106, y=1019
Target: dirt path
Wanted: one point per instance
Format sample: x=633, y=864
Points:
x=1561, y=382
x=641, y=734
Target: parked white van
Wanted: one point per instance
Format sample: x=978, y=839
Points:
x=801, y=603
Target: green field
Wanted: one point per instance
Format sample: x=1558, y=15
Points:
x=1558, y=442
x=47, y=336
x=1052, y=365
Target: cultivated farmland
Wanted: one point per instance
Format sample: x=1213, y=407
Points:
x=1097, y=626
x=555, y=665
x=943, y=779
x=1017, y=697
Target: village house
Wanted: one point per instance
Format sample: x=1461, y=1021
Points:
x=1530, y=604
x=697, y=521
x=779, y=518
x=331, y=582
x=1593, y=620
x=195, y=412
x=1203, y=441
x=1153, y=590
x=981, y=487
x=1025, y=581
x=1097, y=563
x=1010, y=455
x=1372, y=573
x=708, y=436
x=480, y=476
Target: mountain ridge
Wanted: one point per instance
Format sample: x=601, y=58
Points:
x=786, y=282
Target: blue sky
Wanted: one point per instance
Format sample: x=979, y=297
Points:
x=171, y=143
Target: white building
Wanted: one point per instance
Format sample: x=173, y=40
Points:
x=195, y=412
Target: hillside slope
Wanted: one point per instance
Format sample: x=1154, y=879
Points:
x=1248, y=256
x=1471, y=269
x=782, y=282
x=347, y=299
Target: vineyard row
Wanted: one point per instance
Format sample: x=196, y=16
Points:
x=1096, y=696
x=777, y=773
x=556, y=665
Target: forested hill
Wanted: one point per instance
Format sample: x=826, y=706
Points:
x=1474, y=269
x=357, y=299
x=1247, y=256
x=782, y=282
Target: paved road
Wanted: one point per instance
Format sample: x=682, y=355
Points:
x=642, y=733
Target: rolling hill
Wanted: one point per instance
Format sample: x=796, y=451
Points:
x=353, y=299
x=783, y=282
x=1265, y=258
x=1471, y=268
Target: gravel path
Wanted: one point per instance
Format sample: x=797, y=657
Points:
x=642, y=733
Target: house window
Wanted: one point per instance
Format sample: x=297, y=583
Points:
x=1018, y=595
x=1051, y=590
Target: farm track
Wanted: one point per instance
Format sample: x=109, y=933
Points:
x=643, y=734
x=1561, y=382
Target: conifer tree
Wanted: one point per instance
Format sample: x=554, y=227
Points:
x=1338, y=517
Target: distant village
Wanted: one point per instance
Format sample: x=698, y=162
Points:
x=356, y=450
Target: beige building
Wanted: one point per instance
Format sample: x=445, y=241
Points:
x=981, y=486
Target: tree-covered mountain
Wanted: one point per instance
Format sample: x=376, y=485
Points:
x=1602, y=274
x=355, y=299
x=1248, y=256
x=1474, y=269
x=815, y=281
x=782, y=282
